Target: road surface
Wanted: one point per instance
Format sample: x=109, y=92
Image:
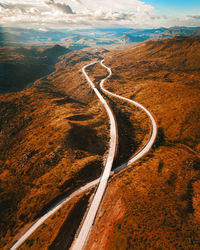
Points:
x=83, y=234
x=89, y=219
x=103, y=180
x=79, y=242
x=153, y=135
x=42, y=219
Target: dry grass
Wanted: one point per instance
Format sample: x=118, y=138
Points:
x=155, y=202
x=53, y=139
x=156, y=205
x=59, y=230
x=133, y=124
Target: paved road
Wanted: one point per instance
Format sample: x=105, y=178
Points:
x=40, y=221
x=89, y=219
x=153, y=135
x=103, y=180
x=79, y=244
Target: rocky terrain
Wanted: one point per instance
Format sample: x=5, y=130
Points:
x=154, y=204
x=21, y=66
x=48, y=133
x=54, y=138
x=93, y=37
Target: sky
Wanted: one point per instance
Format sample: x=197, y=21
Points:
x=73, y=14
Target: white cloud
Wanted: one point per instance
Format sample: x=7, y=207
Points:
x=60, y=6
x=87, y=12
x=78, y=13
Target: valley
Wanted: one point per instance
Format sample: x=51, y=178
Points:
x=154, y=203
x=55, y=137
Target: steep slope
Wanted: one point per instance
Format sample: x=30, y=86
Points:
x=155, y=203
x=21, y=66
x=49, y=145
x=48, y=133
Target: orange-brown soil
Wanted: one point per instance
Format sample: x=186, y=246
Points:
x=154, y=204
x=53, y=139
x=59, y=230
x=132, y=124
x=20, y=67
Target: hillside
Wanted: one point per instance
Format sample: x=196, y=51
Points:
x=54, y=138
x=21, y=66
x=48, y=133
x=154, y=204
x=93, y=37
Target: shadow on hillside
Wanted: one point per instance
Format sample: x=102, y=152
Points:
x=89, y=172
x=70, y=226
x=21, y=67
x=160, y=138
x=127, y=144
x=86, y=139
x=66, y=100
x=80, y=117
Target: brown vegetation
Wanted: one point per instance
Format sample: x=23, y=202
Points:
x=20, y=67
x=152, y=204
x=59, y=230
x=132, y=123
x=155, y=203
x=53, y=139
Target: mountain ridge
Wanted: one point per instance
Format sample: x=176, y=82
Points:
x=91, y=37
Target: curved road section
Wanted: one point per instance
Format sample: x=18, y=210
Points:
x=81, y=239
x=89, y=219
x=153, y=135
x=42, y=219
x=102, y=184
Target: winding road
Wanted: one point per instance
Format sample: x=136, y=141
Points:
x=79, y=242
x=42, y=219
x=89, y=219
x=153, y=135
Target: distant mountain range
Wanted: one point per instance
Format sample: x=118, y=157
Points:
x=98, y=37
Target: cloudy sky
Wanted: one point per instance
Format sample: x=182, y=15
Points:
x=71, y=14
